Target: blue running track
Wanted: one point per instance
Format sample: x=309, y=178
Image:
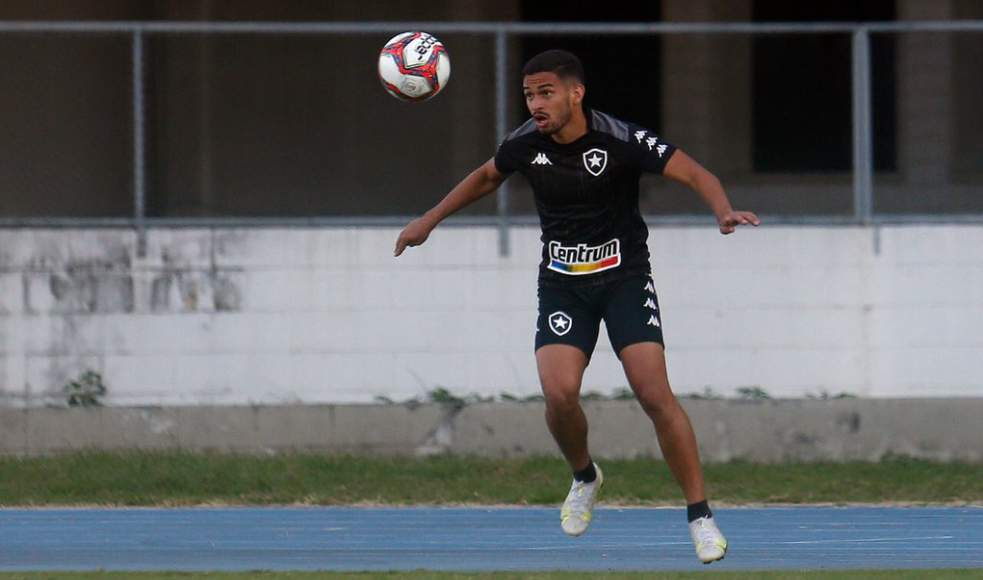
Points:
x=475, y=539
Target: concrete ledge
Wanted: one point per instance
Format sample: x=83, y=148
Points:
x=759, y=431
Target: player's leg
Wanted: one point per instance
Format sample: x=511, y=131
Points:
x=635, y=329
x=561, y=370
x=565, y=337
x=645, y=368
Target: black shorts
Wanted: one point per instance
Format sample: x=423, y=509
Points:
x=629, y=308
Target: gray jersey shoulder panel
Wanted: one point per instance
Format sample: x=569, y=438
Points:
x=599, y=122
x=607, y=124
x=524, y=129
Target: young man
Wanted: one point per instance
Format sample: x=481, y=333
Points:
x=584, y=167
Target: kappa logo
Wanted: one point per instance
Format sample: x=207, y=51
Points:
x=651, y=304
x=639, y=135
x=560, y=323
x=541, y=159
x=661, y=148
x=654, y=321
x=650, y=287
x=596, y=160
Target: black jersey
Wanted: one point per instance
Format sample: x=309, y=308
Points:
x=586, y=193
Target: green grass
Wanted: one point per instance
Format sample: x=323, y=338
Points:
x=423, y=575
x=181, y=479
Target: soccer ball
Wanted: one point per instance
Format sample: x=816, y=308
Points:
x=414, y=66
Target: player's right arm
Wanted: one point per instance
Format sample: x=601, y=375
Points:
x=480, y=183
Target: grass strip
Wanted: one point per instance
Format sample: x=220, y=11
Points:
x=188, y=479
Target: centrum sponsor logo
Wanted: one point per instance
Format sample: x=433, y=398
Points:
x=584, y=259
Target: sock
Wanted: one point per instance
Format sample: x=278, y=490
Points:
x=695, y=511
x=586, y=475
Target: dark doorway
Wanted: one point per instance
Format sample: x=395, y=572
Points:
x=802, y=89
x=622, y=71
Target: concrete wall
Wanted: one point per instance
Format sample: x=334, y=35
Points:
x=268, y=316
x=767, y=431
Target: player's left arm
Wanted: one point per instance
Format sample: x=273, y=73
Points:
x=684, y=169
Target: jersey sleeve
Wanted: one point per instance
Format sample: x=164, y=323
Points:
x=653, y=152
x=507, y=157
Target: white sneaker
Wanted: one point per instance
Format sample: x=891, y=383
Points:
x=711, y=545
x=578, y=509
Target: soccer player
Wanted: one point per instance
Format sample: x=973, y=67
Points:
x=584, y=167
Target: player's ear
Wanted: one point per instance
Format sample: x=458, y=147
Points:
x=577, y=92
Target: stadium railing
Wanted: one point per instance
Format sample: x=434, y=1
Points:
x=862, y=170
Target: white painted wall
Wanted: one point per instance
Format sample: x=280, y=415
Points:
x=328, y=315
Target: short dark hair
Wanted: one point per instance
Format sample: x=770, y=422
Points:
x=563, y=64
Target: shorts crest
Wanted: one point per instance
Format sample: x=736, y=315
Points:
x=560, y=323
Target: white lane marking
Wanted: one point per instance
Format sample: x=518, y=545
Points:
x=858, y=540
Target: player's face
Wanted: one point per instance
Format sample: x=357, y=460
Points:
x=550, y=100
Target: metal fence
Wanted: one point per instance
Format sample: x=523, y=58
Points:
x=501, y=37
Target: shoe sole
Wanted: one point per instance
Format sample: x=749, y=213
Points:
x=715, y=559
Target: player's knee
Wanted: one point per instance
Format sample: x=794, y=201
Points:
x=562, y=403
x=561, y=396
x=656, y=399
